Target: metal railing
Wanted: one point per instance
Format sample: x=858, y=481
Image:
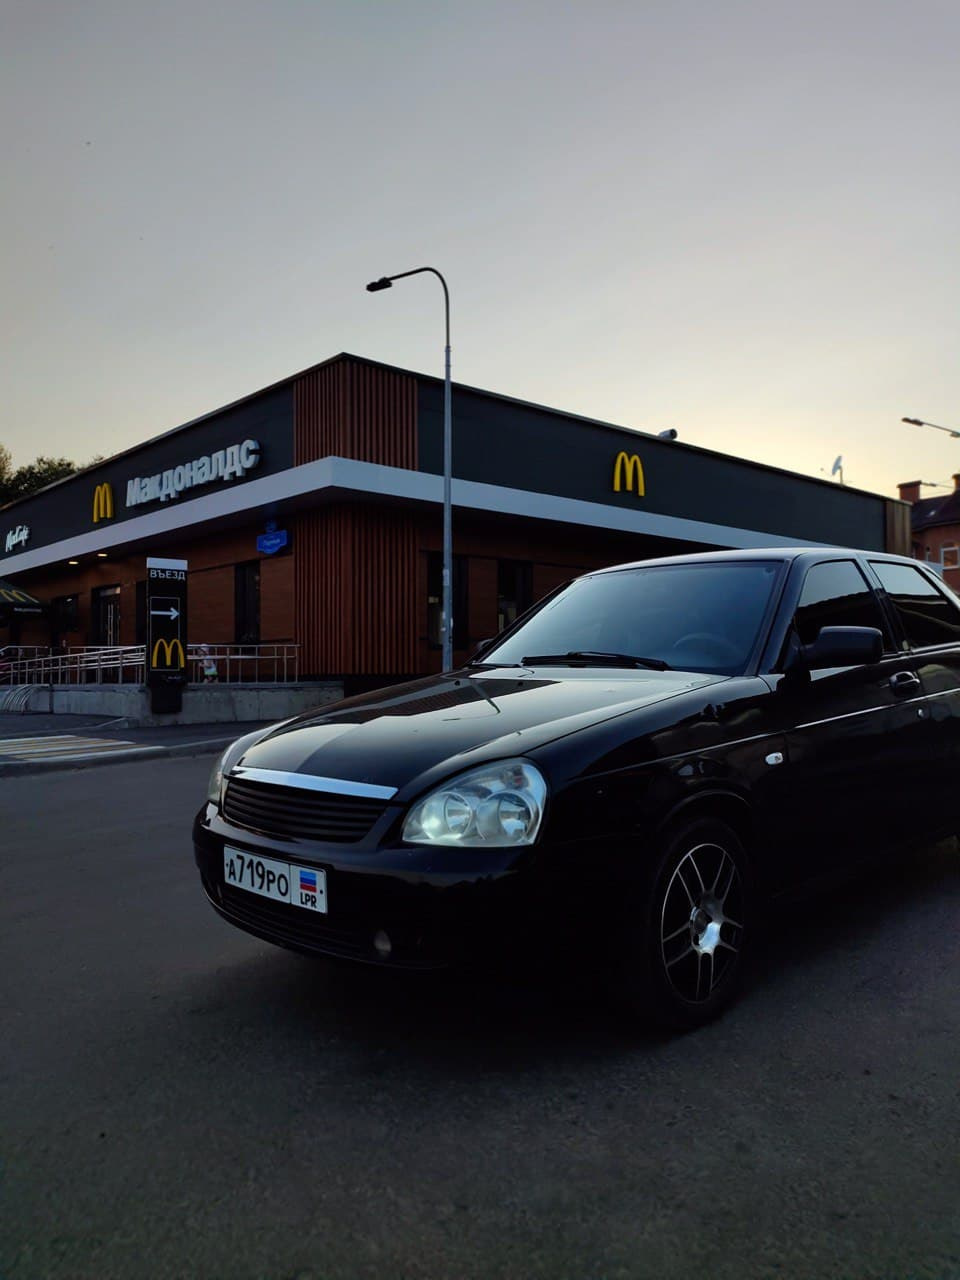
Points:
x=9, y=652
x=14, y=659
x=244, y=663
x=126, y=664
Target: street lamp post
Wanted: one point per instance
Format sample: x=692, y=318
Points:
x=386, y=282
x=920, y=422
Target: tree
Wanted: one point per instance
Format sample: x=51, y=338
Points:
x=35, y=475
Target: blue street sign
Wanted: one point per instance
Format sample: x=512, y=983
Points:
x=271, y=543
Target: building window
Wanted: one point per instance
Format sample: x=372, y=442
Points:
x=950, y=555
x=105, y=616
x=461, y=639
x=514, y=591
x=247, y=602
x=66, y=613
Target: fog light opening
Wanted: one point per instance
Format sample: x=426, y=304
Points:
x=382, y=944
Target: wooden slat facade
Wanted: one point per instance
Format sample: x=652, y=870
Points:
x=350, y=410
x=356, y=591
x=356, y=565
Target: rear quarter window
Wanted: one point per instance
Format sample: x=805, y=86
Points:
x=926, y=614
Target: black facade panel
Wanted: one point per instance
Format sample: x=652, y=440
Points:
x=67, y=509
x=528, y=448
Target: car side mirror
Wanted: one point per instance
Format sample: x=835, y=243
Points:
x=843, y=647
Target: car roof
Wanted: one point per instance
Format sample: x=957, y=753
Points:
x=755, y=554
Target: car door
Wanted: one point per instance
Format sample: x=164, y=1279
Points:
x=928, y=615
x=844, y=732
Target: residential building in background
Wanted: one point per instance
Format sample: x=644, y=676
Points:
x=935, y=528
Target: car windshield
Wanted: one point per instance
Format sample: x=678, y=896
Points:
x=691, y=617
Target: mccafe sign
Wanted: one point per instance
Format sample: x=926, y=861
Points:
x=18, y=537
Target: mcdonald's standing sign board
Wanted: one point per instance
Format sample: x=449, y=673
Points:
x=166, y=630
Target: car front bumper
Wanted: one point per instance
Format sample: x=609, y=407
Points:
x=437, y=907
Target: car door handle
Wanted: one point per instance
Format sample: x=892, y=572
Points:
x=904, y=682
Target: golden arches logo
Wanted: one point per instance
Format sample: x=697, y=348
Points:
x=628, y=467
x=103, y=502
x=169, y=647
x=15, y=596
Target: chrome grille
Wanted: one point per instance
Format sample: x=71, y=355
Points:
x=309, y=815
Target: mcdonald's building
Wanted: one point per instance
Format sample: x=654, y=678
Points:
x=310, y=514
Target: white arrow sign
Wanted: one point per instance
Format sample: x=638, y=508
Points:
x=170, y=613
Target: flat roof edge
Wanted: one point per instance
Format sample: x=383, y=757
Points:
x=627, y=432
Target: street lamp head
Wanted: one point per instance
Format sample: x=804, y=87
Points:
x=376, y=285
x=914, y=422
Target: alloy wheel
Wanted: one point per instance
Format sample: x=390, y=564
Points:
x=701, y=922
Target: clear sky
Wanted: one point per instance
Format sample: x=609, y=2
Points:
x=741, y=220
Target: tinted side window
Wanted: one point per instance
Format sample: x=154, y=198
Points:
x=835, y=595
x=926, y=614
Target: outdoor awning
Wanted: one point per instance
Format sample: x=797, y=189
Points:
x=16, y=601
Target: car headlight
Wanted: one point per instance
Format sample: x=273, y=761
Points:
x=215, y=784
x=225, y=763
x=497, y=804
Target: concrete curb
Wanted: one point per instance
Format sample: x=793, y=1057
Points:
x=17, y=768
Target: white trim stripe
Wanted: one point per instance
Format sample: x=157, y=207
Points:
x=331, y=477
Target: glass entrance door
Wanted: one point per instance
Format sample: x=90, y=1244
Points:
x=106, y=616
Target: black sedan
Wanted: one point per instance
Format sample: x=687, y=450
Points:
x=629, y=774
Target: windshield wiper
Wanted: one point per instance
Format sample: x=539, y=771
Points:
x=596, y=658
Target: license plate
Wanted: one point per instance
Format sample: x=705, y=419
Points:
x=282, y=881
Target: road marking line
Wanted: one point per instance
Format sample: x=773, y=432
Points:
x=59, y=747
x=46, y=737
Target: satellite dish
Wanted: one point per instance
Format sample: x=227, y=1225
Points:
x=837, y=466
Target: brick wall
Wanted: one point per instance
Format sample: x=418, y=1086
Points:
x=352, y=592
x=277, y=599
x=211, y=608
x=210, y=604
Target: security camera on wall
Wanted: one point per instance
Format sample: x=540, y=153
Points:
x=669, y=434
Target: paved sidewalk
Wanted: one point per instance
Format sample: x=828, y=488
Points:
x=41, y=743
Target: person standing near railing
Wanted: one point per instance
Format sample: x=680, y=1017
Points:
x=208, y=666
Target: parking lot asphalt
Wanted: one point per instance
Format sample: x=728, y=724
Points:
x=180, y=1100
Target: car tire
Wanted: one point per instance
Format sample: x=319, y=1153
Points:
x=681, y=950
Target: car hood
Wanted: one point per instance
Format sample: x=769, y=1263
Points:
x=394, y=736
